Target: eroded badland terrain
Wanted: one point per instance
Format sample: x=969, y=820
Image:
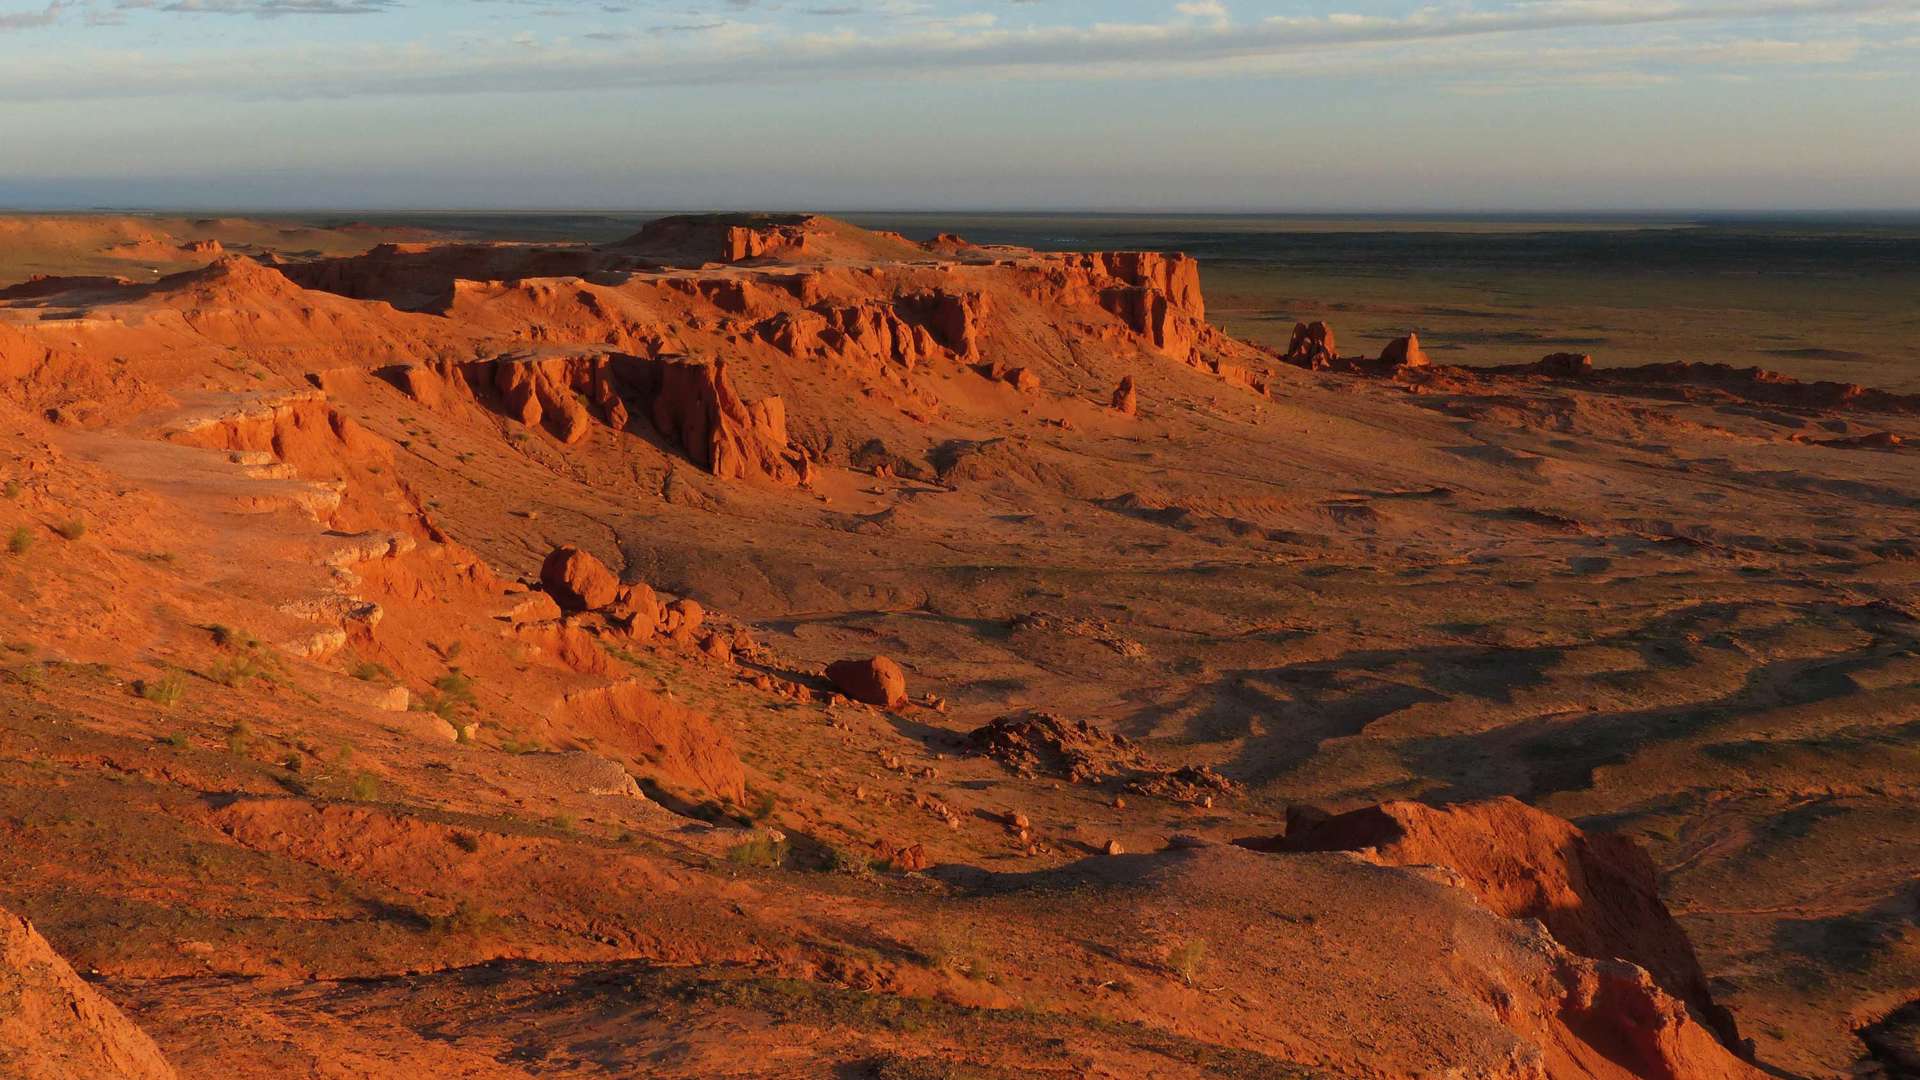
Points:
x=431, y=659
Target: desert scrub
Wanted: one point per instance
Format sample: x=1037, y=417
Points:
x=957, y=948
x=239, y=737
x=13, y=490
x=71, y=530
x=1187, y=959
x=19, y=540
x=165, y=691
x=237, y=672
x=368, y=671
x=467, y=919
x=364, y=788
x=229, y=638
x=761, y=851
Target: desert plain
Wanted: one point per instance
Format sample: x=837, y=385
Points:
x=761, y=645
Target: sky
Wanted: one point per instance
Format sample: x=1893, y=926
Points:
x=1228, y=105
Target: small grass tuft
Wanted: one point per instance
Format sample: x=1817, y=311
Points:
x=165, y=691
x=365, y=788
x=761, y=851
x=20, y=540
x=1188, y=959
x=13, y=490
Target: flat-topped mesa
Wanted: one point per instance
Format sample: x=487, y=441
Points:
x=727, y=238
x=695, y=239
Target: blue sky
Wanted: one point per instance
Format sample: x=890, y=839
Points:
x=891, y=104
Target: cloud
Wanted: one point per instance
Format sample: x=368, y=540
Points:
x=1198, y=40
x=26, y=20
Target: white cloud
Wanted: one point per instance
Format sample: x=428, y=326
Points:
x=1198, y=40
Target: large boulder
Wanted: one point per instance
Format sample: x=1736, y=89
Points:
x=878, y=681
x=577, y=581
x=53, y=1026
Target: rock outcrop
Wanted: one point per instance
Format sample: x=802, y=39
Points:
x=53, y=1026
x=1403, y=353
x=1046, y=744
x=1126, y=400
x=1598, y=894
x=1313, y=346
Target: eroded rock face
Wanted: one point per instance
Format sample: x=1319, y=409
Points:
x=577, y=581
x=696, y=406
x=53, y=1026
x=1313, y=346
x=1598, y=894
x=878, y=681
x=690, y=404
x=1126, y=400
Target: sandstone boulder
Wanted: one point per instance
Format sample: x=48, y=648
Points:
x=878, y=681
x=1126, y=400
x=577, y=581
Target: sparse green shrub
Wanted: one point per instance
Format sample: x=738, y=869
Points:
x=71, y=530
x=167, y=690
x=838, y=860
x=364, y=788
x=31, y=676
x=13, y=489
x=239, y=737
x=177, y=740
x=456, y=686
x=19, y=540
x=467, y=919
x=1188, y=959
x=237, y=671
x=764, y=804
x=466, y=842
x=368, y=671
x=956, y=947
x=761, y=851
x=293, y=762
